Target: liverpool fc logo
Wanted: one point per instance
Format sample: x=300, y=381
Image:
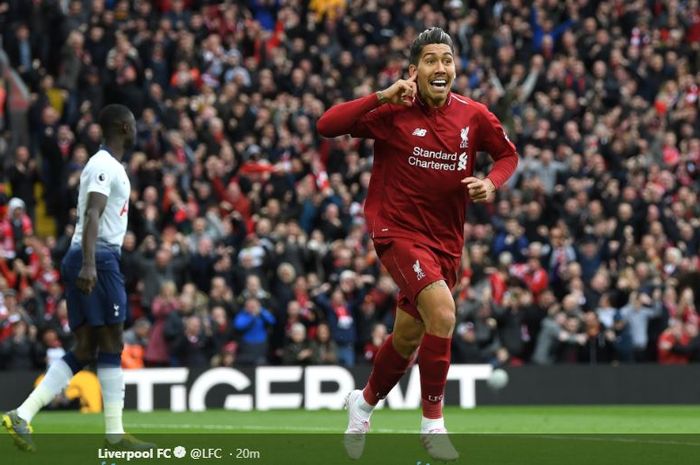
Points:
x=418, y=270
x=464, y=133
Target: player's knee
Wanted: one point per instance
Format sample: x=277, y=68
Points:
x=406, y=344
x=111, y=347
x=83, y=354
x=110, y=340
x=84, y=351
x=442, y=318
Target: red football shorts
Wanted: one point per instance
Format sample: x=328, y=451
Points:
x=413, y=266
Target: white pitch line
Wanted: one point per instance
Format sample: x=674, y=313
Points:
x=605, y=437
x=260, y=428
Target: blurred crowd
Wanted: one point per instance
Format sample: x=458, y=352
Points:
x=247, y=242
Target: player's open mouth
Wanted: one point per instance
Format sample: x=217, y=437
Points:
x=439, y=84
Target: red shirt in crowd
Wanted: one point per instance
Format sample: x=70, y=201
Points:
x=666, y=341
x=421, y=155
x=370, y=351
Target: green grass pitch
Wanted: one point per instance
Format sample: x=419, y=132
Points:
x=535, y=435
x=519, y=420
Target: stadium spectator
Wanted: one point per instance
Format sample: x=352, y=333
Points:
x=325, y=349
x=599, y=344
x=341, y=321
x=571, y=341
x=532, y=273
x=156, y=265
x=485, y=329
x=135, y=344
x=174, y=327
x=193, y=347
x=15, y=228
x=221, y=294
x=11, y=312
x=379, y=335
x=156, y=350
x=49, y=349
x=512, y=239
x=295, y=314
x=298, y=350
x=673, y=336
x=253, y=322
x=691, y=348
x=19, y=351
x=226, y=357
x=218, y=326
x=639, y=310
x=464, y=346
x=59, y=323
x=512, y=319
x=22, y=176
x=547, y=345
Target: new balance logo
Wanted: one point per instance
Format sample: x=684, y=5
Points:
x=418, y=270
x=420, y=132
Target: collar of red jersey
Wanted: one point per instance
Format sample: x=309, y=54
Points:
x=427, y=108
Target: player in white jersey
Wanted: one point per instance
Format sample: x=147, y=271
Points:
x=95, y=291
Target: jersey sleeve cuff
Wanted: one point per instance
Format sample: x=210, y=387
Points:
x=99, y=189
x=493, y=181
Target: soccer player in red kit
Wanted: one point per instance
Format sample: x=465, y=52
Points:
x=426, y=140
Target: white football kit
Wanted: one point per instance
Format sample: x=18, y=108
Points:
x=105, y=174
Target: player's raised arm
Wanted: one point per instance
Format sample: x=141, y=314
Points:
x=341, y=119
x=87, y=278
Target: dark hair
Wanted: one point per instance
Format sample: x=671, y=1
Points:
x=434, y=35
x=112, y=117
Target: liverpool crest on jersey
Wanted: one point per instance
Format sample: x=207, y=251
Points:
x=464, y=134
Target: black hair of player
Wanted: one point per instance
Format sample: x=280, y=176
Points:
x=112, y=119
x=434, y=35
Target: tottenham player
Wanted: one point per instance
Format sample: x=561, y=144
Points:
x=95, y=291
x=426, y=138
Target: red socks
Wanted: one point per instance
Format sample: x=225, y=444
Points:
x=434, y=362
x=389, y=367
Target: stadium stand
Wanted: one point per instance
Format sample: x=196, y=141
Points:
x=247, y=242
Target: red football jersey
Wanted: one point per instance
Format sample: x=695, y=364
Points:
x=421, y=154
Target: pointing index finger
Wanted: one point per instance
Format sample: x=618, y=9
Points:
x=412, y=78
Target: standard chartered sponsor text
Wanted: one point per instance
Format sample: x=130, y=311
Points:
x=437, y=160
x=436, y=155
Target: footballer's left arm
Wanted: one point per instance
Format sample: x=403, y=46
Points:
x=493, y=140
